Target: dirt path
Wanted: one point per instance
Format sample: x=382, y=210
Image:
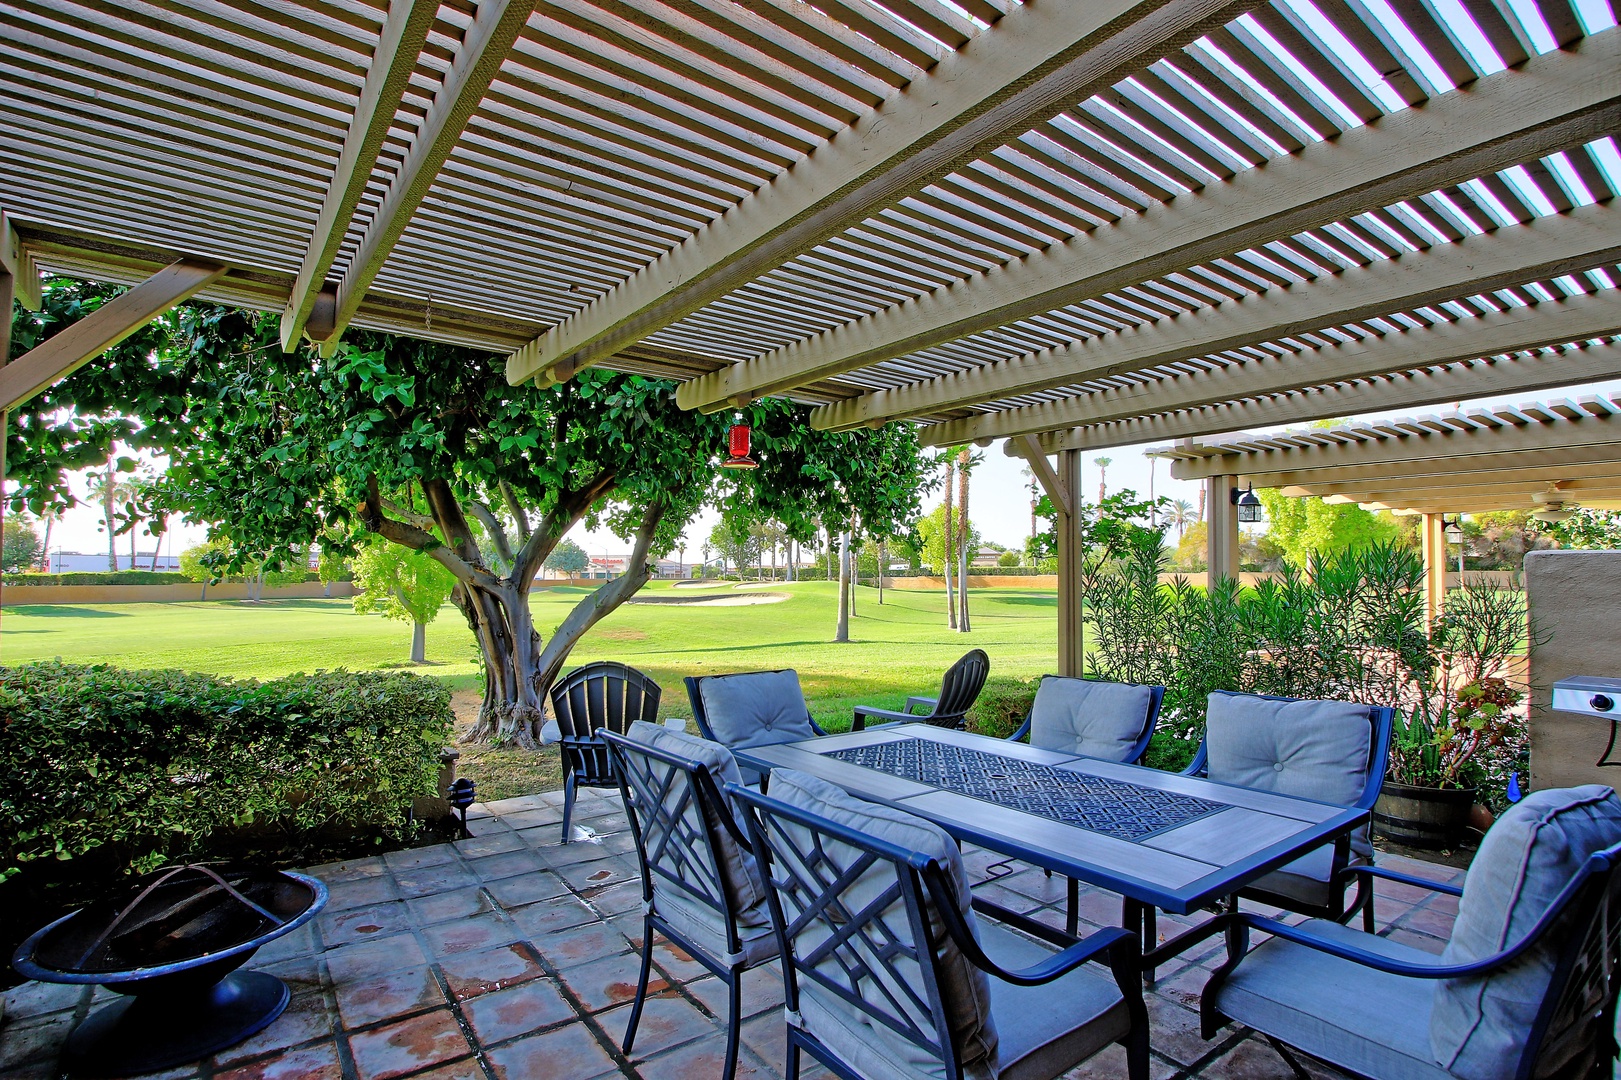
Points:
x=501, y=773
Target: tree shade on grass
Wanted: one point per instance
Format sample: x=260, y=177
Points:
x=899, y=648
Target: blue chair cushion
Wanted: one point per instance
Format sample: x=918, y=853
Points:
x=1362, y=1020
x=1085, y=716
x=739, y=871
x=1311, y=749
x=866, y=1044
x=1533, y=851
x=756, y=708
x=1307, y=880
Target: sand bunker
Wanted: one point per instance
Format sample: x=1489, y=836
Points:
x=711, y=601
x=699, y=583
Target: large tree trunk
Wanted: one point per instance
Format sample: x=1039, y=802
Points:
x=946, y=557
x=419, y=643
x=883, y=568
x=45, y=548
x=108, y=498
x=964, y=558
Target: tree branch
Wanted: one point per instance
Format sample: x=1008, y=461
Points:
x=602, y=602
x=492, y=525
x=410, y=517
x=514, y=508
x=555, y=525
x=399, y=532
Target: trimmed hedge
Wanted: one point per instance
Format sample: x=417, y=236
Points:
x=127, y=770
x=99, y=577
x=1001, y=706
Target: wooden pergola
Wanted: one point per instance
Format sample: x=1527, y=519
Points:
x=1072, y=225
x=1544, y=457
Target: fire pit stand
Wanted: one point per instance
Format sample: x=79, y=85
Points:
x=173, y=951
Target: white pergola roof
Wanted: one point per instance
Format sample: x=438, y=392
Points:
x=1511, y=458
x=1111, y=221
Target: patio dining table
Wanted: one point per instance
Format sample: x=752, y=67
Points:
x=1161, y=840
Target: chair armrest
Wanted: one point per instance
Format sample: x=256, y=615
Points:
x=864, y=712
x=1405, y=879
x=1304, y=935
x=1200, y=763
x=1023, y=732
x=921, y=699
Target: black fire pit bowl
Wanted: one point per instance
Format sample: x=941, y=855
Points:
x=173, y=951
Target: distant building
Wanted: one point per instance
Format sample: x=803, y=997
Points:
x=986, y=556
x=77, y=562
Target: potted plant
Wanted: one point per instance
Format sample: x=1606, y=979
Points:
x=1439, y=759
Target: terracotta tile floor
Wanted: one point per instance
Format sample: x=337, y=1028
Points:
x=512, y=956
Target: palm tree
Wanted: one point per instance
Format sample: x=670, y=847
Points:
x=1103, y=477
x=1180, y=516
x=110, y=491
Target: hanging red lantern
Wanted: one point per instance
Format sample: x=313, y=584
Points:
x=738, y=446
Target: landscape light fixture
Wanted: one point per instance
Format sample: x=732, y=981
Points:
x=737, y=441
x=1452, y=529
x=1250, y=510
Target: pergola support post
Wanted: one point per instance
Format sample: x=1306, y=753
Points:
x=1071, y=620
x=8, y=289
x=1433, y=541
x=1221, y=523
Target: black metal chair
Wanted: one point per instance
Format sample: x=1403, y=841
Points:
x=883, y=964
x=958, y=691
x=1532, y=993
x=701, y=886
x=604, y=695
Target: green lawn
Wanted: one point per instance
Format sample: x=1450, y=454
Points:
x=901, y=647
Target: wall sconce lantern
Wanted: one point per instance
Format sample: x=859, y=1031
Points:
x=1452, y=530
x=737, y=444
x=1250, y=510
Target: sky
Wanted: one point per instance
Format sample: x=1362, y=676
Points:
x=999, y=499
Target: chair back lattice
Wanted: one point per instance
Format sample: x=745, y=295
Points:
x=1575, y=1029
x=683, y=827
x=605, y=695
x=960, y=688
x=854, y=922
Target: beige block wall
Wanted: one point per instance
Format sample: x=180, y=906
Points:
x=17, y=595
x=1573, y=598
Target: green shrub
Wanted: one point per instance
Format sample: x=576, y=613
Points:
x=1001, y=706
x=99, y=577
x=126, y=770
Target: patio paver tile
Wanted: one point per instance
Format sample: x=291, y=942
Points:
x=514, y=892
x=376, y=998
x=349, y=870
x=493, y=844
x=308, y=1017
x=471, y=975
x=517, y=1010
x=442, y=907
x=534, y=819
x=667, y=1020
x=427, y=880
x=537, y=920
x=368, y=958
x=318, y=1062
x=352, y=894
x=617, y=899
x=466, y=1069
x=363, y=923
x=706, y=1058
x=30, y=1041
x=473, y=934
x=505, y=865
x=408, y=1046
x=38, y=998
x=416, y=858
x=581, y=945
x=605, y=983
x=570, y=1051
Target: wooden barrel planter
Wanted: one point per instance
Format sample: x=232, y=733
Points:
x=1424, y=817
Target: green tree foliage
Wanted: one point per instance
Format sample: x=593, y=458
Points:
x=735, y=542
x=1307, y=529
x=931, y=530
x=415, y=441
x=397, y=582
x=21, y=548
x=568, y=558
x=1592, y=530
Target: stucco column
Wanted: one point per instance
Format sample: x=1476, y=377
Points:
x=1221, y=524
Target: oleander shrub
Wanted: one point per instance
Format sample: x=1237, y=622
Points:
x=122, y=771
x=1001, y=706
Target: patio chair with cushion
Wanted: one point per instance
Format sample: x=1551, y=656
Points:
x=600, y=696
x=1524, y=988
x=958, y=691
x=885, y=966
x=1112, y=721
x=753, y=708
x=701, y=886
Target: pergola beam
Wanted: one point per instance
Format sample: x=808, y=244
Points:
x=399, y=47
x=1546, y=247
x=1550, y=103
x=485, y=46
x=61, y=355
x=1578, y=318
x=1034, y=61
x=1603, y=465
x=1404, y=390
x=17, y=262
